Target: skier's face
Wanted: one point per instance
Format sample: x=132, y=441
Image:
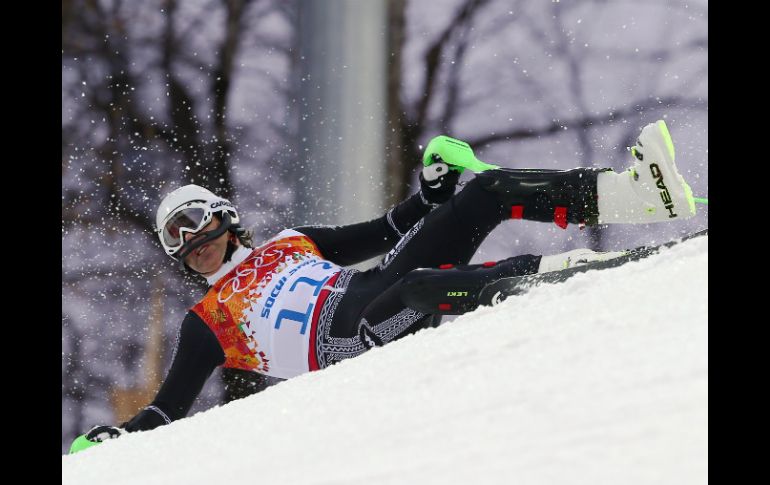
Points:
x=208, y=258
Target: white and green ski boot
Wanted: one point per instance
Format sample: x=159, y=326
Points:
x=652, y=190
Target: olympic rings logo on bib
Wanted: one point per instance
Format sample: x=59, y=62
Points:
x=249, y=271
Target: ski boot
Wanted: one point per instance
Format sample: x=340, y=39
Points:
x=652, y=190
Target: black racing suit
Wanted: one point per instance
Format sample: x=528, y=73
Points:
x=369, y=311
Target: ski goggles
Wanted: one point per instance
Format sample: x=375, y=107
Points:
x=191, y=218
x=188, y=220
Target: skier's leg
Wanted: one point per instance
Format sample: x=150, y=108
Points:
x=450, y=234
x=386, y=318
x=453, y=232
x=651, y=190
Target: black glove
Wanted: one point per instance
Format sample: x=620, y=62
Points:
x=438, y=182
x=103, y=433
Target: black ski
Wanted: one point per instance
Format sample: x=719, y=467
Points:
x=457, y=291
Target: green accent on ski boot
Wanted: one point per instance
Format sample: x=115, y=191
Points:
x=667, y=138
x=701, y=200
x=670, y=146
x=81, y=443
x=455, y=153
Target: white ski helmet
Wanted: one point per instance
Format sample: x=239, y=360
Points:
x=189, y=209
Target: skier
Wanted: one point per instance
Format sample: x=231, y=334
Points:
x=290, y=305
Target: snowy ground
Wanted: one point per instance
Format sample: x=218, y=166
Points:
x=599, y=380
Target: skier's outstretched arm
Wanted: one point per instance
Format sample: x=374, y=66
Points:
x=196, y=356
x=354, y=243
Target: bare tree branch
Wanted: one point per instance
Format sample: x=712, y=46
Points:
x=435, y=54
x=614, y=116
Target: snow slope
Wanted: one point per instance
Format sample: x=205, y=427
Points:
x=602, y=379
